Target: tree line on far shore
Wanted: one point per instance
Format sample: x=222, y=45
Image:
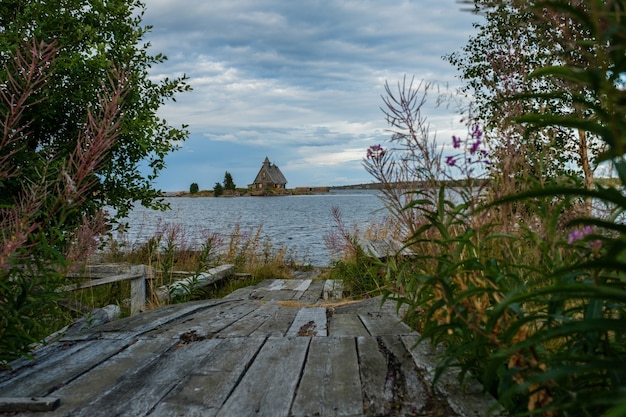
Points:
x=218, y=189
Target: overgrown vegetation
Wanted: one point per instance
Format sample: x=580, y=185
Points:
x=521, y=280
x=78, y=114
x=171, y=255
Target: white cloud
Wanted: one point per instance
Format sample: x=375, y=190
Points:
x=296, y=79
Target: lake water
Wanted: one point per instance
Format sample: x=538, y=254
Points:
x=299, y=223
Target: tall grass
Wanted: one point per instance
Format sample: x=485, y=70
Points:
x=171, y=255
x=518, y=281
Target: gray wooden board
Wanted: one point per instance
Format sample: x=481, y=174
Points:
x=411, y=394
x=155, y=318
x=282, y=295
x=45, y=376
x=251, y=321
x=137, y=393
x=289, y=284
x=346, y=325
x=79, y=392
x=379, y=324
x=240, y=294
x=267, y=388
x=330, y=384
x=309, y=321
x=207, y=387
x=369, y=306
x=468, y=400
x=333, y=289
x=377, y=394
x=43, y=356
x=312, y=294
x=28, y=404
x=278, y=324
x=135, y=274
x=392, y=384
x=203, y=279
x=205, y=323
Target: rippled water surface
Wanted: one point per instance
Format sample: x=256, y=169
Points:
x=296, y=222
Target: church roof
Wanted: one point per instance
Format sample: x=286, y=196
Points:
x=270, y=173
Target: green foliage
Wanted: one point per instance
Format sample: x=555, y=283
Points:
x=95, y=41
x=218, y=189
x=42, y=226
x=78, y=115
x=228, y=182
x=361, y=275
x=528, y=292
x=512, y=41
x=194, y=188
x=28, y=311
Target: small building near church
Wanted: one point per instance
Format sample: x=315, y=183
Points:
x=269, y=176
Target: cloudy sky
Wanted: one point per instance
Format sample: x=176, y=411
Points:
x=297, y=81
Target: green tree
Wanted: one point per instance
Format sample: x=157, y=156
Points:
x=512, y=41
x=228, y=182
x=39, y=244
x=78, y=120
x=218, y=190
x=95, y=39
x=193, y=188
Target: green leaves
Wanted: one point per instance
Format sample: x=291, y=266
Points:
x=78, y=113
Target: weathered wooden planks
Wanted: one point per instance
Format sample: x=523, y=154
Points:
x=138, y=392
x=468, y=400
x=187, y=285
x=268, y=387
x=255, y=319
x=333, y=290
x=42, y=378
x=78, y=393
x=207, y=387
x=379, y=324
x=247, y=355
x=330, y=384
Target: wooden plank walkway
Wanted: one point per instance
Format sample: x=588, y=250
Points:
x=276, y=349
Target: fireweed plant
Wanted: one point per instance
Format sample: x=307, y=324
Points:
x=38, y=247
x=525, y=292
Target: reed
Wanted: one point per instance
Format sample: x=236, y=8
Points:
x=519, y=282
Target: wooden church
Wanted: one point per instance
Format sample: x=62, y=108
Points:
x=269, y=176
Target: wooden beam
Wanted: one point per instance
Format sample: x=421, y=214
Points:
x=19, y=404
x=186, y=285
x=135, y=272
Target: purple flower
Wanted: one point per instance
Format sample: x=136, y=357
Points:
x=579, y=234
x=574, y=236
x=476, y=132
x=475, y=147
x=450, y=160
x=456, y=141
x=595, y=245
x=375, y=152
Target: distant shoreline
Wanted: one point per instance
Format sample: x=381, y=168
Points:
x=246, y=192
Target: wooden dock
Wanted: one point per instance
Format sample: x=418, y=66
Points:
x=276, y=349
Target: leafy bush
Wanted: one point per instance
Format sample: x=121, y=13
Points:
x=38, y=245
x=525, y=291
